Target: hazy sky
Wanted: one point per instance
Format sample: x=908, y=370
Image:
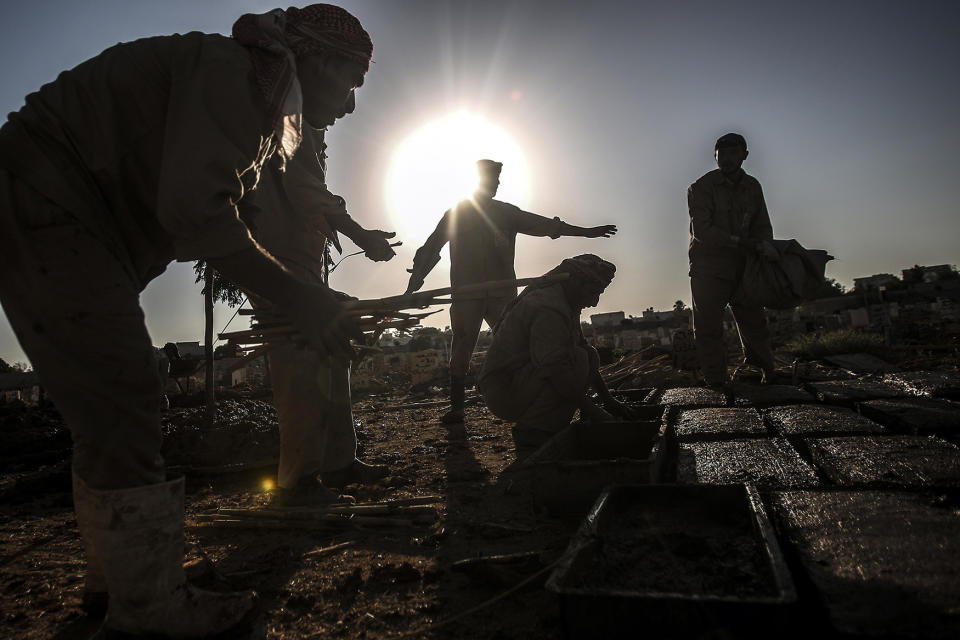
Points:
x=849, y=110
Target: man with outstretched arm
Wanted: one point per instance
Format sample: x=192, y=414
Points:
x=482, y=233
x=728, y=220
x=137, y=157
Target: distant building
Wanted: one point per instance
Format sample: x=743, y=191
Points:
x=874, y=282
x=18, y=385
x=612, y=319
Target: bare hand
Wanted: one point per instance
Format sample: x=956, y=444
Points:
x=416, y=281
x=320, y=319
x=603, y=231
x=376, y=245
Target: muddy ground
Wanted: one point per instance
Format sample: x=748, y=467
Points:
x=405, y=580
x=385, y=582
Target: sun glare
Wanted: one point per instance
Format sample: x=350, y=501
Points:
x=434, y=168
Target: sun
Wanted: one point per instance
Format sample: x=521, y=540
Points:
x=434, y=167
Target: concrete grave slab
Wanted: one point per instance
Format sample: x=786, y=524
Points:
x=718, y=424
x=933, y=384
x=887, y=461
x=917, y=416
x=885, y=563
x=860, y=363
x=768, y=395
x=849, y=392
x=767, y=463
x=689, y=397
x=818, y=420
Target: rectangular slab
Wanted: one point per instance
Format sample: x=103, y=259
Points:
x=849, y=392
x=690, y=397
x=933, y=384
x=916, y=416
x=887, y=461
x=806, y=420
x=571, y=469
x=768, y=395
x=884, y=563
x=718, y=424
x=674, y=561
x=769, y=463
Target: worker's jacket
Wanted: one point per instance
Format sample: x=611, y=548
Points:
x=538, y=334
x=151, y=144
x=482, y=233
x=722, y=214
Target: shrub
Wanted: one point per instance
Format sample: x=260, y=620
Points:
x=817, y=345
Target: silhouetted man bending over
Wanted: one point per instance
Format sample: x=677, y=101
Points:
x=728, y=219
x=482, y=233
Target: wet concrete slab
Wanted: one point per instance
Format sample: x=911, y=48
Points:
x=882, y=563
x=807, y=420
x=718, y=424
x=917, y=416
x=849, y=392
x=769, y=463
x=887, y=461
x=690, y=397
x=932, y=384
x=768, y=395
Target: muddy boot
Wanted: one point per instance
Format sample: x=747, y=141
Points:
x=309, y=492
x=138, y=536
x=94, y=598
x=457, y=392
x=357, y=472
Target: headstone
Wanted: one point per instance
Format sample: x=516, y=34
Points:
x=887, y=461
x=933, y=384
x=694, y=397
x=849, y=392
x=767, y=463
x=885, y=563
x=718, y=424
x=817, y=420
x=917, y=416
x=860, y=363
x=768, y=395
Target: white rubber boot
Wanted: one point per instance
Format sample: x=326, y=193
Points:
x=138, y=535
x=94, y=598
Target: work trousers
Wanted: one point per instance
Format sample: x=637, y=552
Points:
x=76, y=311
x=526, y=397
x=466, y=317
x=311, y=394
x=711, y=296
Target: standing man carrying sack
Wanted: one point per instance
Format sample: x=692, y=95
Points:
x=728, y=221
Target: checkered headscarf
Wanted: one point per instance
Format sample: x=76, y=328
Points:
x=275, y=40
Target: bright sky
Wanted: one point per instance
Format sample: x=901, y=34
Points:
x=605, y=112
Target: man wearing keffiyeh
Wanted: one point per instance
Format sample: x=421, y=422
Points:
x=100, y=190
x=539, y=368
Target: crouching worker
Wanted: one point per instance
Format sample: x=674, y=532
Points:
x=133, y=159
x=539, y=367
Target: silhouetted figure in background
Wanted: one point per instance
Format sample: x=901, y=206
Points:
x=482, y=233
x=728, y=219
x=293, y=215
x=539, y=367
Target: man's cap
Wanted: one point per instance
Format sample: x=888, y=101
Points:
x=489, y=167
x=730, y=140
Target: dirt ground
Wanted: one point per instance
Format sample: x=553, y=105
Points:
x=378, y=582
x=402, y=580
